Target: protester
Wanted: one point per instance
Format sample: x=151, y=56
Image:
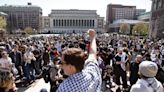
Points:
x=148, y=82
x=53, y=74
x=84, y=75
x=16, y=57
x=134, y=67
x=44, y=49
x=107, y=77
x=5, y=61
x=120, y=68
x=28, y=65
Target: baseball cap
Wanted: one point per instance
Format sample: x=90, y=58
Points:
x=148, y=68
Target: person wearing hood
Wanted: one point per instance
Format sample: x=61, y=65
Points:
x=147, y=81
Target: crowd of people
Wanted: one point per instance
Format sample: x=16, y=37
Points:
x=82, y=63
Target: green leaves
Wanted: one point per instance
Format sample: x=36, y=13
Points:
x=125, y=28
x=2, y=24
x=28, y=30
x=140, y=29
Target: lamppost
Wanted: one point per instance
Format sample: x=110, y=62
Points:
x=163, y=33
x=34, y=31
x=135, y=32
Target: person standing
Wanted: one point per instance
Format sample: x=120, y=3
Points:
x=84, y=75
x=28, y=68
x=5, y=61
x=16, y=58
x=37, y=55
x=120, y=68
x=147, y=81
x=134, y=67
x=46, y=55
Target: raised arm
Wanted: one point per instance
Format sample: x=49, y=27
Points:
x=93, y=47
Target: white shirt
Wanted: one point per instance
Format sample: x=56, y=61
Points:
x=5, y=63
x=162, y=49
x=123, y=59
x=153, y=56
x=149, y=85
x=28, y=56
x=58, y=46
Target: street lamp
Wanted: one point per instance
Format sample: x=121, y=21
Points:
x=34, y=30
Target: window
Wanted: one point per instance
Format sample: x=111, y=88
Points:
x=65, y=22
x=87, y=22
x=70, y=22
x=155, y=1
x=54, y=21
x=57, y=21
x=93, y=23
x=160, y=4
x=82, y=23
x=62, y=22
x=73, y=22
x=154, y=6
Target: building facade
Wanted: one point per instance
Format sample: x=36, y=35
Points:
x=3, y=15
x=123, y=13
x=157, y=19
x=72, y=21
x=115, y=26
x=144, y=16
x=138, y=12
x=20, y=17
x=117, y=12
x=45, y=22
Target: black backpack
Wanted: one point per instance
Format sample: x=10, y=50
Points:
x=45, y=74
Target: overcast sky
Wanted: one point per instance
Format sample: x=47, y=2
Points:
x=99, y=5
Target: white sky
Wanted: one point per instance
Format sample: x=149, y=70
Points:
x=99, y=5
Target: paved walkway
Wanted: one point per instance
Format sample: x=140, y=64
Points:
x=38, y=85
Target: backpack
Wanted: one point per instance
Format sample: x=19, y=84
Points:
x=45, y=74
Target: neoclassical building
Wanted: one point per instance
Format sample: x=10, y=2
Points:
x=72, y=21
x=157, y=19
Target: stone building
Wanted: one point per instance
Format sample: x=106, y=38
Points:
x=72, y=21
x=157, y=19
x=22, y=16
x=117, y=12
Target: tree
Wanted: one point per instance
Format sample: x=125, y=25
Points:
x=140, y=29
x=28, y=30
x=2, y=24
x=125, y=28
